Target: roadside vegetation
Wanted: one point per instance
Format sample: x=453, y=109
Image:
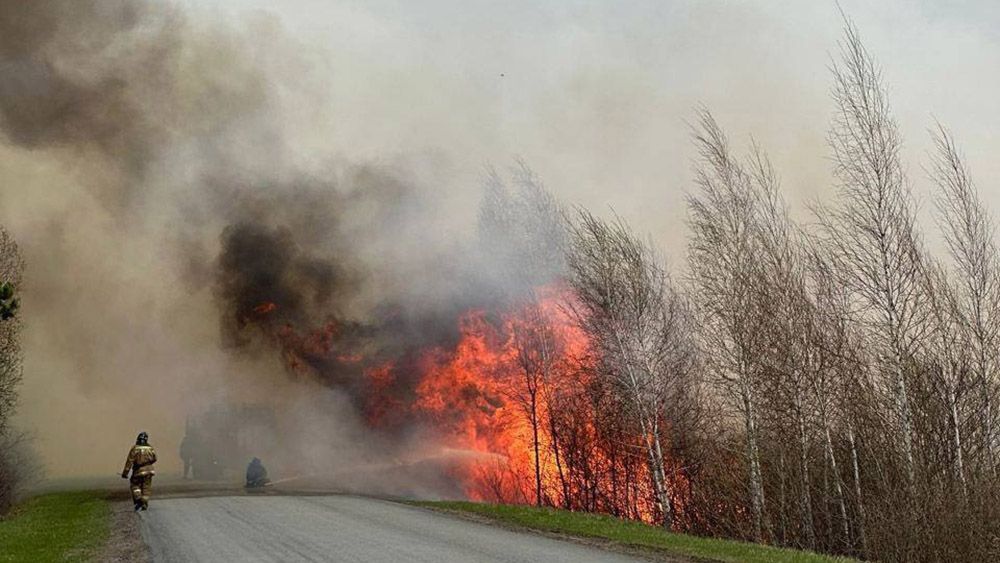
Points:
x=67, y=526
x=629, y=533
x=15, y=459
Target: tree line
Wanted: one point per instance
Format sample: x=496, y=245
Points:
x=830, y=385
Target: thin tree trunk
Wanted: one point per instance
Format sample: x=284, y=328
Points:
x=991, y=456
x=837, y=486
x=857, y=490
x=756, y=486
x=805, y=500
x=554, y=442
x=782, y=501
x=619, y=490
x=538, y=465
x=959, y=467
x=826, y=500
x=655, y=453
x=903, y=409
x=666, y=499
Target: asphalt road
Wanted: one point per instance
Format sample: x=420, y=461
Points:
x=339, y=528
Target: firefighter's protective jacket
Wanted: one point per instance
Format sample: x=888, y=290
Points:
x=140, y=461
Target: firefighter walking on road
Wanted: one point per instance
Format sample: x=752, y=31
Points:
x=140, y=462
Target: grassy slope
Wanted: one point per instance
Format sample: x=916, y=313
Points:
x=55, y=527
x=632, y=534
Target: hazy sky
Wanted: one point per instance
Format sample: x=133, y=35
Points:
x=595, y=94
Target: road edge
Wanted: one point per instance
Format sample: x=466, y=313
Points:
x=599, y=543
x=125, y=543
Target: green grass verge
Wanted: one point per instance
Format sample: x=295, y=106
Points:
x=632, y=534
x=55, y=527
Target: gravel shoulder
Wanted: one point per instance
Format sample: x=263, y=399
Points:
x=125, y=543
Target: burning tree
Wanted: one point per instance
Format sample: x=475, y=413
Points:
x=492, y=394
x=521, y=228
x=872, y=234
x=626, y=305
x=537, y=355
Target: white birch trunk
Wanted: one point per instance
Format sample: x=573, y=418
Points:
x=857, y=491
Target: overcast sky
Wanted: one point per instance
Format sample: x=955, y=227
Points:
x=595, y=95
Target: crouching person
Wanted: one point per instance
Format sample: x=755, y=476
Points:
x=140, y=462
x=256, y=475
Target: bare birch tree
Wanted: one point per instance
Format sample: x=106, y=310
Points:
x=788, y=319
x=723, y=257
x=871, y=232
x=971, y=237
x=627, y=305
x=841, y=377
x=946, y=360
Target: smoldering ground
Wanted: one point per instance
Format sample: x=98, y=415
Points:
x=187, y=247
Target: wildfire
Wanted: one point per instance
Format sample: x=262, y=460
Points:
x=475, y=393
x=516, y=395
x=519, y=389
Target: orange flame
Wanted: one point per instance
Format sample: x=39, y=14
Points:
x=476, y=393
x=380, y=403
x=518, y=375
